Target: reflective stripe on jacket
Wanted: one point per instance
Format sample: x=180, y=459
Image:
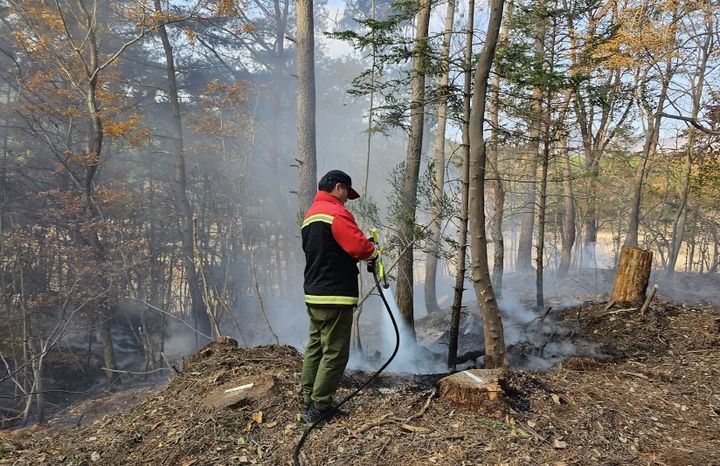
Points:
x=333, y=244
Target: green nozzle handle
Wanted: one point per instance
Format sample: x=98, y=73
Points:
x=379, y=265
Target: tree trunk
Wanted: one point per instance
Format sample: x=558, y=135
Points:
x=495, y=351
x=305, y=65
x=462, y=240
x=431, y=262
x=697, y=91
x=524, y=251
x=651, y=140
x=95, y=145
x=631, y=278
x=568, y=223
x=39, y=384
x=542, y=203
x=199, y=313
x=412, y=168
x=498, y=189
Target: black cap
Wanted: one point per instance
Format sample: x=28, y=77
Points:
x=338, y=176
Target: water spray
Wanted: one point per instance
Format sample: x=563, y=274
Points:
x=377, y=268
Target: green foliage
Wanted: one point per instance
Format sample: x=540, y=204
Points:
x=388, y=39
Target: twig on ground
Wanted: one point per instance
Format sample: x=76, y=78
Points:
x=382, y=449
x=425, y=407
x=383, y=420
x=609, y=306
x=636, y=374
x=133, y=372
x=527, y=428
x=618, y=311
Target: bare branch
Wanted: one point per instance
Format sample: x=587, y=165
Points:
x=693, y=122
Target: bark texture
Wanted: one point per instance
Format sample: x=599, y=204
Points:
x=495, y=351
x=464, y=193
x=305, y=64
x=631, y=278
x=405, y=280
x=431, y=263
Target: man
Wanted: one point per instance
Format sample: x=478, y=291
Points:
x=333, y=244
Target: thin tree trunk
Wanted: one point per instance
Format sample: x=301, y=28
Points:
x=495, y=351
x=568, y=224
x=498, y=189
x=305, y=65
x=524, y=251
x=697, y=90
x=651, y=140
x=199, y=313
x=39, y=383
x=464, y=193
x=542, y=203
x=431, y=262
x=95, y=145
x=412, y=168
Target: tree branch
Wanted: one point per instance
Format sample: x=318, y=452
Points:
x=693, y=122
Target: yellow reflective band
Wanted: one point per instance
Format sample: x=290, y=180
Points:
x=318, y=218
x=339, y=300
x=373, y=255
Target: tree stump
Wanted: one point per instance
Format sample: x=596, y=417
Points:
x=631, y=278
x=478, y=390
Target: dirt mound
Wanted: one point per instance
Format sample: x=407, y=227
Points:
x=657, y=401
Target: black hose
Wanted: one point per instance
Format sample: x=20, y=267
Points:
x=298, y=447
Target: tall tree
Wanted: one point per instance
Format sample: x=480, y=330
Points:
x=199, y=312
x=498, y=188
x=406, y=231
x=431, y=262
x=305, y=65
x=704, y=40
x=464, y=191
x=495, y=350
x=527, y=224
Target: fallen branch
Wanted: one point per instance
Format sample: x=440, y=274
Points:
x=133, y=372
x=610, y=305
x=650, y=297
x=527, y=428
x=415, y=429
x=382, y=449
x=382, y=421
x=636, y=374
x=432, y=395
x=619, y=311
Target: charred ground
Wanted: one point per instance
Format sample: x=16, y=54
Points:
x=651, y=397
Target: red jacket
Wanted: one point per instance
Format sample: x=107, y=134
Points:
x=333, y=244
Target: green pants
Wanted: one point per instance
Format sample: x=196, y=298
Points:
x=326, y=355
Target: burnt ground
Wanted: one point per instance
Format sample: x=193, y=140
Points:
x=650, y=396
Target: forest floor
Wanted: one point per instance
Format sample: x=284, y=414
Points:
x=651, y=396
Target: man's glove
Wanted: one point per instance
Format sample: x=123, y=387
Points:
x=371, y=266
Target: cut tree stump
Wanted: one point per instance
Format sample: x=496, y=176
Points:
x=478, y=390
x=240, y=392
x=631, y=278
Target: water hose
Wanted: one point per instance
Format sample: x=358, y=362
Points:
x=301, y=442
